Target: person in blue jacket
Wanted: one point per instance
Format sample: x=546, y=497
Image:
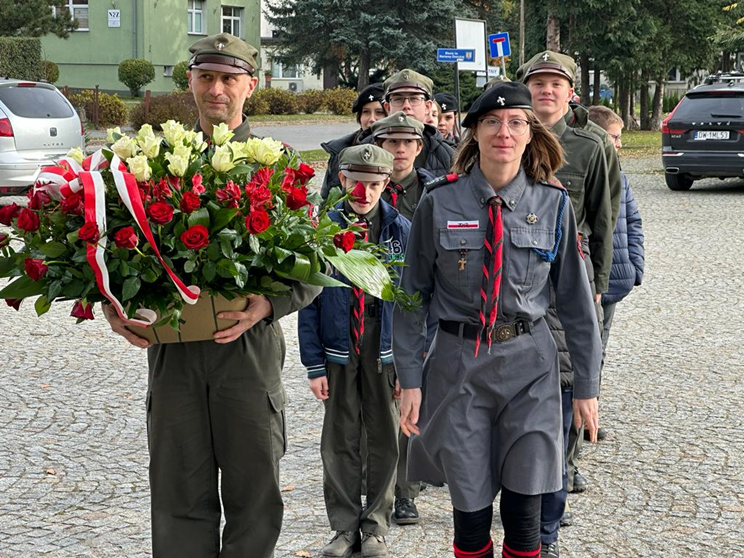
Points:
x=346, y=345
x=627, y=240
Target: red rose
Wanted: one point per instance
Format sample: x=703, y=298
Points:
x=37, y=200
x=261, y=198
x=257, y=222
x=4, y=240
x=229, y=195
x=14, y=303
x=289, y=180
x=36, y=269
x=196, y=184
x=126, y=238
x=160, y=213
x=72, y=204
x=9, y=212
x=161, y=190
x=28, y=221
x=344, y=240
x=82, y=312
x=89, y=232
x=190, y=202
x=196, y=237
x=359, y=192
x=262, y=177
x=297, y=198
x=304, y=173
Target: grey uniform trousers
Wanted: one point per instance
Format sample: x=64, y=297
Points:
x=360, y=398
x=211, y=408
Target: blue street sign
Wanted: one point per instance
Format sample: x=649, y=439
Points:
x=499, y=45
x=455, y=54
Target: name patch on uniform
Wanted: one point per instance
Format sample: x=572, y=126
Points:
x=463, y=224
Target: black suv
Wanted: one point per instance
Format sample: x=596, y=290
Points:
x=704, y=135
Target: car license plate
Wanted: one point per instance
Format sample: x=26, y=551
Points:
x=711, y=135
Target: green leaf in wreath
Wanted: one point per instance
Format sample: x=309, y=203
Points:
x=254, y=243
x=209, y=271
x=199, y=217
x=130, y=288
x=222, y=217
x=53, y=249
x=150, y=276
x=281, y=254
x=226, y=268
x=323, y=280
x=23, y=287
x=365, y=271
x=226, y=247
x=189, y=266
x=242, y=278
x=42, y=305
x=213, y=251
x=7, y=266
x=297, y=268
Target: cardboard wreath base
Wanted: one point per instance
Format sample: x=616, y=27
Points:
x=200, y=321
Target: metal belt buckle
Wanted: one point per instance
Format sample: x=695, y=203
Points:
x=503, y=333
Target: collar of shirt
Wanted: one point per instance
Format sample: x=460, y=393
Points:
x=510, y=194
x=409, y=181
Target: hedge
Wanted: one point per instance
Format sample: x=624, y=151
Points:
x=20, y=58
x=135, y=73
x=111, y=109
x=178, y=106
x=49, y=71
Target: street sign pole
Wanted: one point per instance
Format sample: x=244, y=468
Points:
x=457, y=68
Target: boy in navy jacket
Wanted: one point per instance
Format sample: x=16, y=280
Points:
x=346, y=346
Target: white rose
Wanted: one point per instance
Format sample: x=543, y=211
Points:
x=222, y=159
x=198, y=142
x=221, y=134
x=150, y=146
x=174, y=132
x=77, y=154
x=144, y=133
x=179, y=160
x=110, y=134
x=125, y=147
x=140, y=168
x=267, y=151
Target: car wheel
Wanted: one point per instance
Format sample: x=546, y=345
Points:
x=678, y=182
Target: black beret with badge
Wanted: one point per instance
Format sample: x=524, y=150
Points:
x=410, y=81
x=548, y=62
x=447, y=101
x=399, y=126
x=223, y=53
x=504, y=95
x=370, y=94
x=366, y=162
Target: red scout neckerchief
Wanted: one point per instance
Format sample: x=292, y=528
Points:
x=493, y=243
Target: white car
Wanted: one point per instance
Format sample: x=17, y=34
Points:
x=37, y=125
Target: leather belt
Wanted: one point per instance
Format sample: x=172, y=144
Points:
x=501, y=332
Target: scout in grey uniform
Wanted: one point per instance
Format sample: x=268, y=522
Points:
x=483, y=252
x=218, y=406
x=550, y=77
x=402, y=136
x=350, y=367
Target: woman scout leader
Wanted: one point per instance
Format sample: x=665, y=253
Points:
x=483, y=248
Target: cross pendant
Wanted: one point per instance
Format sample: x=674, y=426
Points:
x=462, y=261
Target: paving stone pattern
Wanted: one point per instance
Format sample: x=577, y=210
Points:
x=668, y=481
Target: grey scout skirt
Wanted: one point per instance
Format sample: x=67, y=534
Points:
x=490, y=421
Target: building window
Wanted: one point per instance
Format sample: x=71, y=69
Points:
x=282, y=71
x=168, y=71
x=79, y=11
x=232, y=21
x=197, y=25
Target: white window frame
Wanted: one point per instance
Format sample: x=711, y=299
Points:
x=192, y=11
x=278, y=71
x=71, y=6
x=232, y=19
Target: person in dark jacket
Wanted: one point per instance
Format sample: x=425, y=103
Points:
x=627, y=243
x=449, y=118
x=411, y=92
x=346, y=346
x=368, y=109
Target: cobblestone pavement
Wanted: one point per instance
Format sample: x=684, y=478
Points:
x=668, y=481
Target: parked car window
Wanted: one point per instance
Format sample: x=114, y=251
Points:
x=711, y=106
x=35, y=102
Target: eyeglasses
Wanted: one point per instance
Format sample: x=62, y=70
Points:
x=615, y=138
x=400, y=100
x=516, y=126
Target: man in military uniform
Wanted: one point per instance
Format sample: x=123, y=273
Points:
x=550, y=77
x=368, y=109
x=218, y=406
x=411, y=92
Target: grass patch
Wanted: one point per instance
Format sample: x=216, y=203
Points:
x=314, y=156
x=283, y=119
x=640, y=144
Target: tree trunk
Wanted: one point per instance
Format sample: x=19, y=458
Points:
x=584, y=61
x=632, y=90
x=658, y=104
x=553, y=39
x=364, y=64
x=624, y=99
x=330, y=76
x=596, y=100
x=725, y=61
x=645, y=122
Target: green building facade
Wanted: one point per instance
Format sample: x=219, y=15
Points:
x=160, y=31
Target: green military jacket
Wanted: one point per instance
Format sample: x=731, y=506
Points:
x=578, y=117
x=584, y=175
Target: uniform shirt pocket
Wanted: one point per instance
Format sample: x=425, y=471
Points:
x=527, y=267
x=461, y=245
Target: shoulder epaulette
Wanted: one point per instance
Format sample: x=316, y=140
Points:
x=554, y=182
x=441, y=180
